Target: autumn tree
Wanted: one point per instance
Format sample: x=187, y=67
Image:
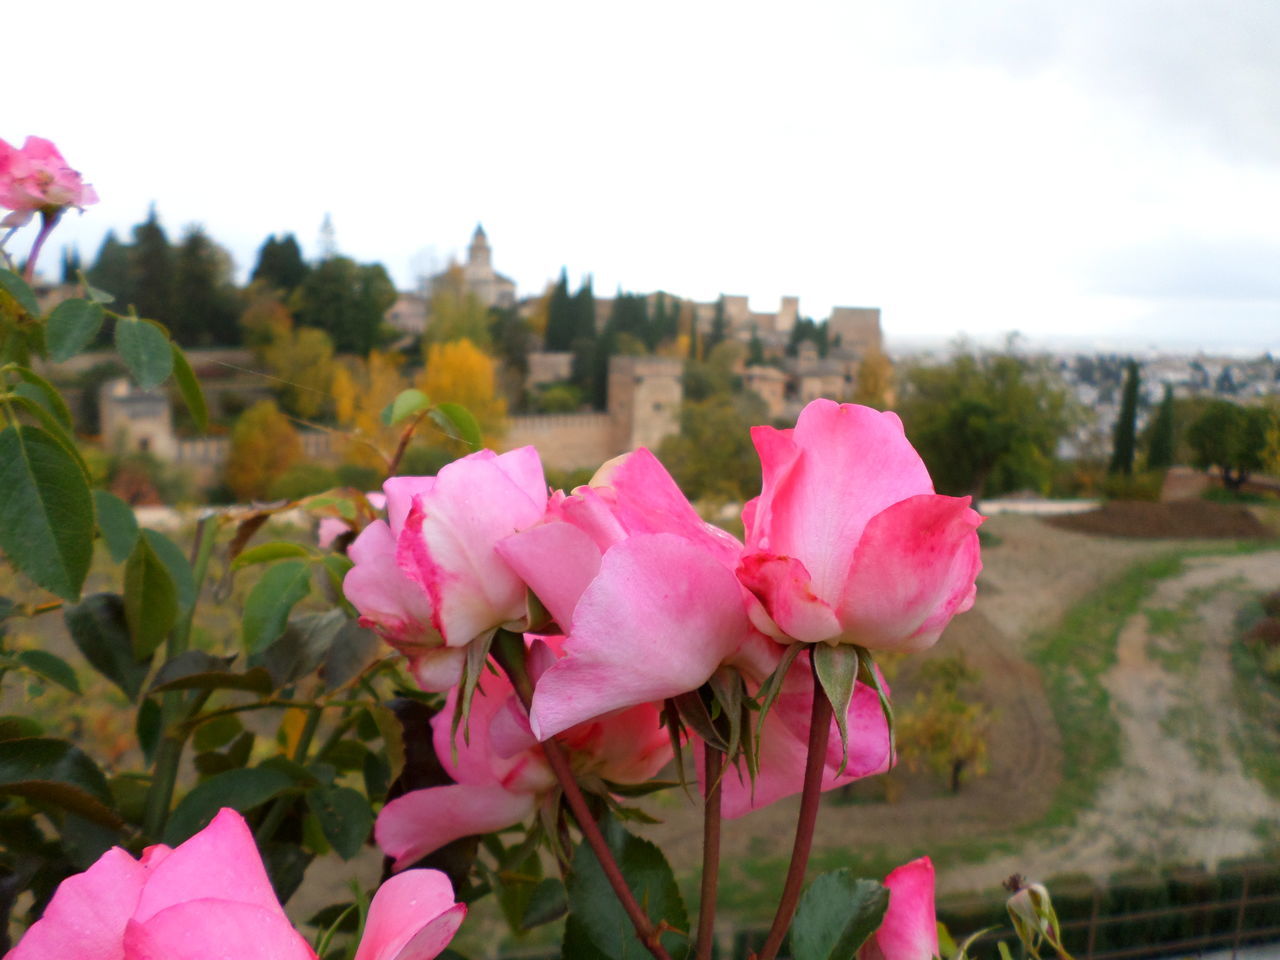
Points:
x=944, y=727
x=456, y=312
x=874, y=386
x=460, y=372
x=362, y=388
x=301, y=360
x=264, y=445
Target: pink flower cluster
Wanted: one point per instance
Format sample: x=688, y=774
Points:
x=210, y=897
x=846, y=544
x=35, y=179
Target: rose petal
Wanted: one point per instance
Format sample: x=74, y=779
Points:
x=86, y=918
x=658, y=620
x=909, y=930
x=405, y=907
x=215, y=929
x=411, y=826
x=913, y=570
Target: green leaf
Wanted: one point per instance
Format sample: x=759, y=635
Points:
x=189, y=387
x=98, y=626
x=54, y=771
x=344, y=817
x=302, y=648
x=16, y=728
x=145, y=351
x=392, y=737
x=549, y=902
x=593, y=904
x=266, y=611
x=240, y=790
x=837, y=669
x=836, y=915
x=406, y=404
x=24, y=398
x=353, y=649
x=147, y=727
x=150, y=599
x=869, y=675
x=197, y=670
x=92, y=292
x=175, y=561
x=457, y=421
x=72, y=326
x=17, y=288
x=116, y=522
x=46, y=511
x=51, y=667
x=51, y=399
x=217, y=732
x=267, y=552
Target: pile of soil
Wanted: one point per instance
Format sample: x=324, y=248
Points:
x=1179, y=519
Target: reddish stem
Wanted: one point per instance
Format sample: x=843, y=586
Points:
x=819, y=733
x=559, y=761
x=712, y=768
x=47, y=223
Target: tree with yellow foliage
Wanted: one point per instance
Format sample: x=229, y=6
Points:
x=362, y=389
x=874, y=386
x=456, y=312
x=302, y=362
x=460, y=372
x=264, y=445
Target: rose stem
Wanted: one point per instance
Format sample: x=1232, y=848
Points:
x=712, y=766
x=47, y=223
x=819, y=732
x=511, y=658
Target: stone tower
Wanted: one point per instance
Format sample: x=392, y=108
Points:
x=645, y=394
x=479, y=254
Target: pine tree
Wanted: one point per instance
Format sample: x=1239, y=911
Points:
x=205, y=303
x=560, y=316
x=1126, y=425
x=151, y=270
x=347, y=300
x=280, y=264
x=584, y=312
x=110, y=270
x=1163, y=435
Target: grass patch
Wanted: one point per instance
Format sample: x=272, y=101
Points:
x=1257, y=741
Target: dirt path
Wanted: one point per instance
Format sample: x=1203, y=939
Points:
x=1181, y=793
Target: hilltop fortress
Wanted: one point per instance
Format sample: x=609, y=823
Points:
x=644, y=395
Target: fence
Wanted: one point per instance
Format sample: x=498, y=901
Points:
x=1205, y=912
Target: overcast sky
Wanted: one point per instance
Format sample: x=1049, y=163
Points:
x=1101, y=168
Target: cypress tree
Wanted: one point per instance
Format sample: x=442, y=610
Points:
x=1163, y=435
x=70, y=265
x=560, y=316
x=718, y=327
x=584, y=312
x=1126, y=425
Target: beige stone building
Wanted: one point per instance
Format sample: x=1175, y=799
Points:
x=490, y=287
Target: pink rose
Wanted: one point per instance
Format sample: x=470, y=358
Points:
x=210, y=897
x=501, y=773
x=847, y=542
x=428, y=579
x=909, y=930
x=643, y=587
x=36, y=178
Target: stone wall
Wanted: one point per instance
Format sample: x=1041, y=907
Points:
x=565, y=441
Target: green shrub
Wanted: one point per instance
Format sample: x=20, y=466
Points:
x=302, y=480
